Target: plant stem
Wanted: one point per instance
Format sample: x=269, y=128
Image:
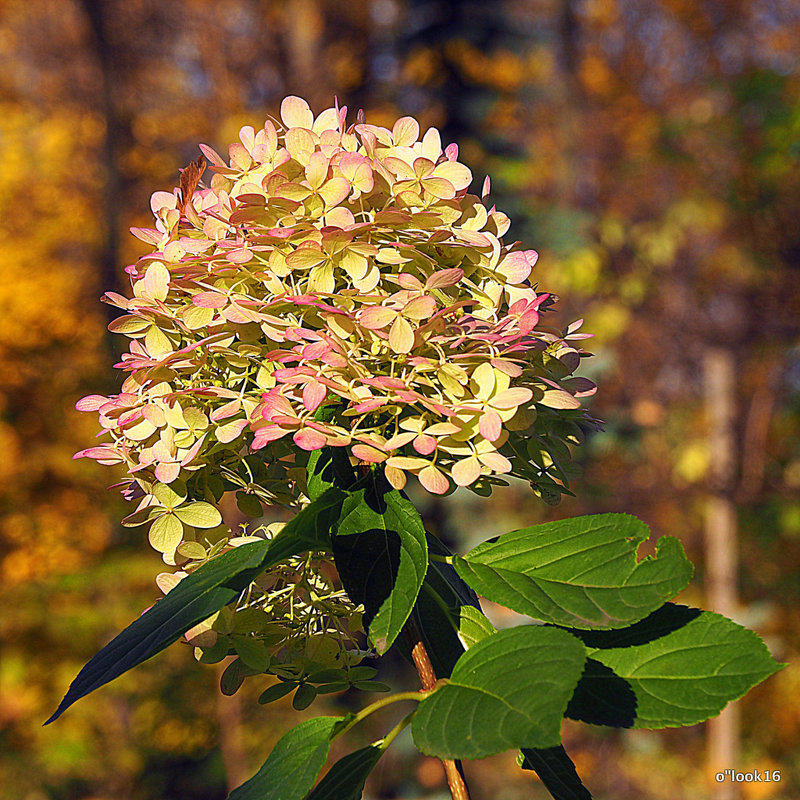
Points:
x=427, y=677
x=393, y=733
x=379, y=704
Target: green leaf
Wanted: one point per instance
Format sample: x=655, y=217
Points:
x=206, y=590
x=233, y=677
x=252, y=651
x=508, y=691
x=679, y=666
x=361, y=673
x=293, y=765
x=381, y=554
x=199, y=515
x=556, y=771
x=578, y=573
x=276, y=691
x=304, y=696
x=346, y=778
x=372, y=686
x=249, y=504
x=328, y=467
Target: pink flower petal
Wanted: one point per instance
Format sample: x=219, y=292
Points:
x=91, y=402
x=508, y=367
x=444, y=277
x=496, y=462
x=490, y=426
x=104, y=455
x=223, y=412
x=364, y=452
x=396, y=477
x=168, y=471
x=309, y=439
x=434, y=480
x=370, y=405
x=466, y=471
x=399, y=440
x=296, y=113
x=517, y=266
x=512, y=398
x=267, y=434
x=313, y=394
x=210, y=300
x=424, y=445
x=230, y=431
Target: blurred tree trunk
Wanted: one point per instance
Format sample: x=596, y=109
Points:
x=719, y=371
x=304, y=24
x=96, y=13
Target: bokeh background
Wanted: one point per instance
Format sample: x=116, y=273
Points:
x=649, y=150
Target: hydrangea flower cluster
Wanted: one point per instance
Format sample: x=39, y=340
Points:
x=351, y=266
x=332, y=286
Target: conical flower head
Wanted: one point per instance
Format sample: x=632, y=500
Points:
x=344, y=268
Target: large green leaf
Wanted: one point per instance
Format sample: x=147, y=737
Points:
x=679, y=666
x=294, y=763
x=579, y=573
x=199, y=595
x=509, y=690
x=556, y=771
x=346, y=778
x=381, y=555
x=449, y=620
x=328, y=467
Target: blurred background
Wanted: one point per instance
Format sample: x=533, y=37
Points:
x=650, y=151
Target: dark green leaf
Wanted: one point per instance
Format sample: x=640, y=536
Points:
x=578, y=573
x=233, y=677
x=508, y=691
x=361, y=673
x=329, y=688
x=556, y=771
x=293, y=765
x=327, y=676
x=346, y=778
x=249, y=504
x=372, y=686
x=328, y=467
x=681, y=666
x=382, y=556
x=304, y=696
x=209, y=588
x=276, y=691
x=253, y=652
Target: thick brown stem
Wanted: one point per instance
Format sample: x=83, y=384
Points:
x=427, y=677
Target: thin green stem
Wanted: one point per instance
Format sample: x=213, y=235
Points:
x=393, y=733
x=442, y=559
x=379, y=704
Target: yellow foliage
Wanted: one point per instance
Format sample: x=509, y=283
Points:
x=578, y=273
x=50, y=335
x=692, y=460
x=607, y=320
